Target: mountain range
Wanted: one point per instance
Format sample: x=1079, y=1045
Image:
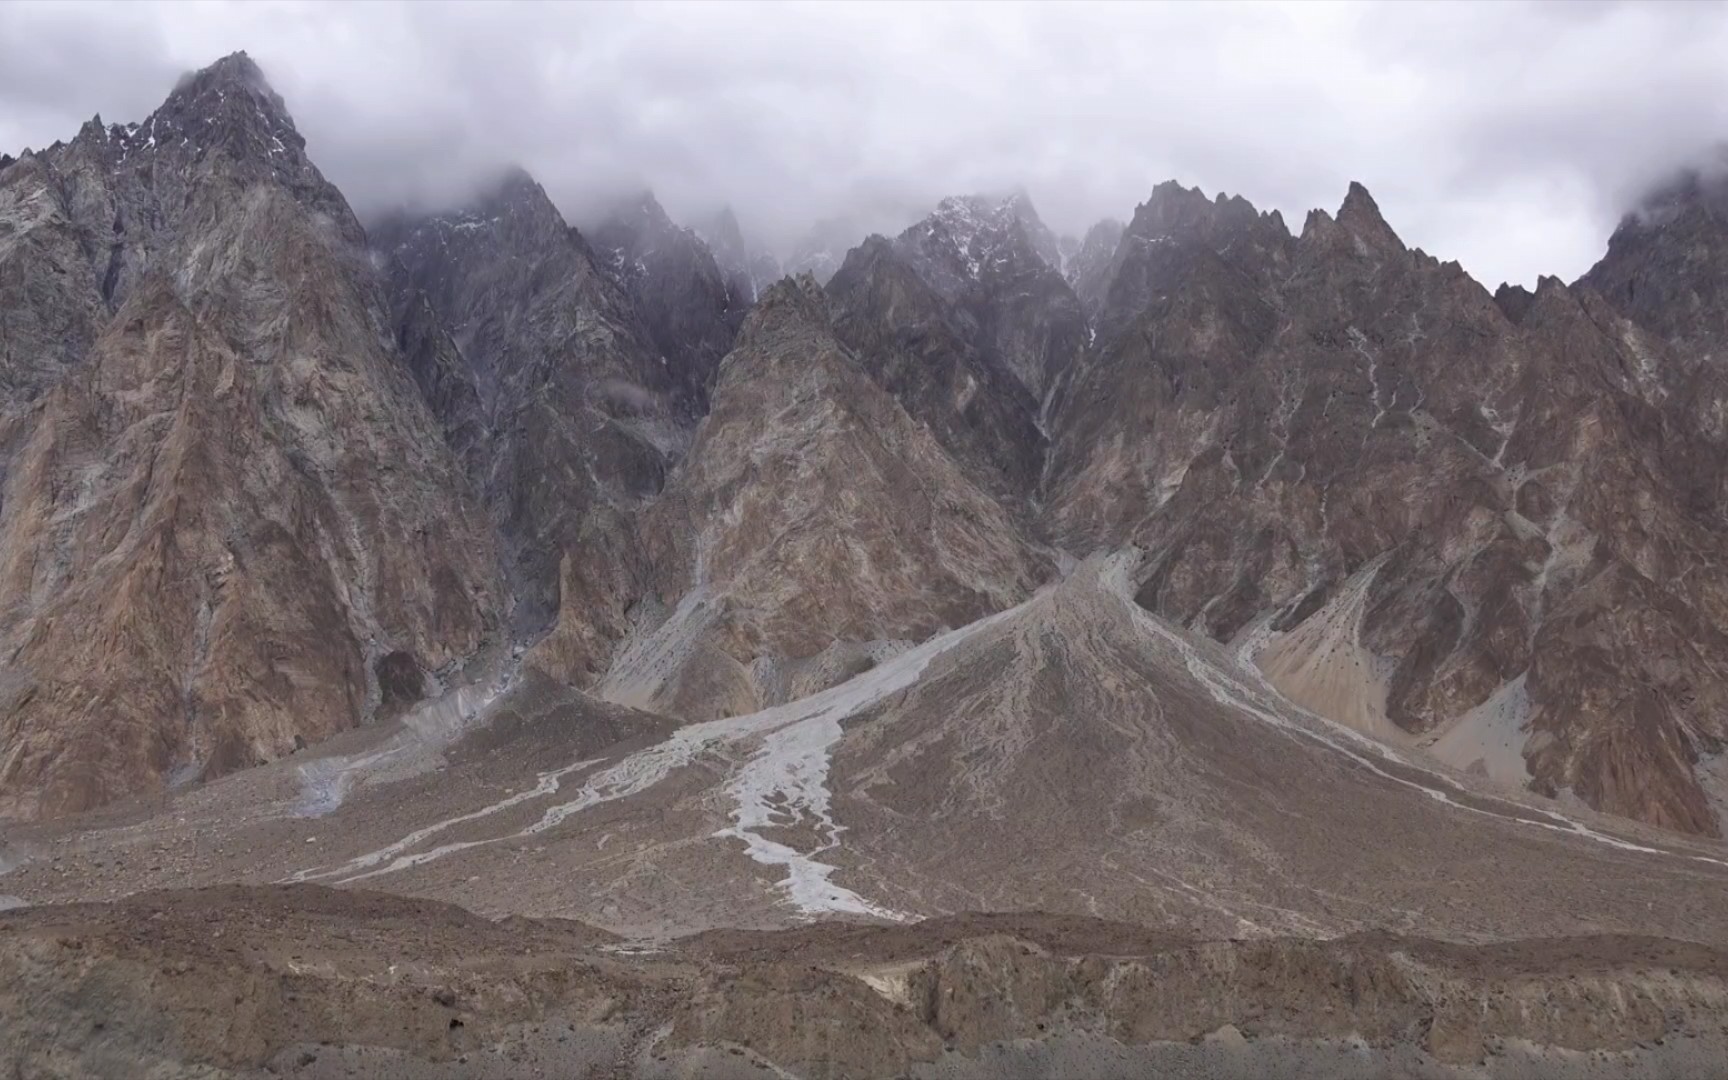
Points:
x=1246, y=584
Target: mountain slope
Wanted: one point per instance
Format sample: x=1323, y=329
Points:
x=811, y=513
x=232, y=528
x=924, y=350
x=690, y=308
x=1072, y=754
x=518, y=333
x=1354, y=444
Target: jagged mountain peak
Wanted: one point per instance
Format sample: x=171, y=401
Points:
x=690, y=306
x=641, y=209
x=637, y=225
x=237, y=68
x=516, y=191
x=1179, y=239
x=1513, y=300
x=234, y=90
x=1173, y=211
x=1360, y=216
x=971, y=231
x=1088, y=269
x=795, y=297
x=224, y=119
x=205, y=320
x=995, y=260
x=512, y=209
x=1316, y=223
x=747, y=267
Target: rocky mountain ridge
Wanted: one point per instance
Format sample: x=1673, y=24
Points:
x=1450, y=519
x=1354, y=447
x=1199, y=647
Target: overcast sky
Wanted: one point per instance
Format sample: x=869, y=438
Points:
x=1509, y=136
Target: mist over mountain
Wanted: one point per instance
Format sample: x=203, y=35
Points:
x=547, y=620
x=1515, y=160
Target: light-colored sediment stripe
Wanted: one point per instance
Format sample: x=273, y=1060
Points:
x=790, y=766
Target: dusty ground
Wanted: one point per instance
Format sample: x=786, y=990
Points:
x=306, y=981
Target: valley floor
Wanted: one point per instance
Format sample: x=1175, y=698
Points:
x=1224, y=883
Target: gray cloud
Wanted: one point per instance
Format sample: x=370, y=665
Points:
x=1509, y=136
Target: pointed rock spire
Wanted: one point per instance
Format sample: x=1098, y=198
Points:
x=1360, y=216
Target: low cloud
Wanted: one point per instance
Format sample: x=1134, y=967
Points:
x=1510, y=136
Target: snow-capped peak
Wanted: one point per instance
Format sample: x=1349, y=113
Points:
x=972, y=233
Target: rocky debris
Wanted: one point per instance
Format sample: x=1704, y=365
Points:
x=317, y=982
x=1273, y=416
x=226, y=505
x=1072, y=754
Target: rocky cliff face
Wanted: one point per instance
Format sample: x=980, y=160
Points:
x=1088, y=267
x=1455, y=527
x=518, y=332
x=997, y=263
x=812, y=514
x=749, y=270
x=230, y=526
x=690, y=308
